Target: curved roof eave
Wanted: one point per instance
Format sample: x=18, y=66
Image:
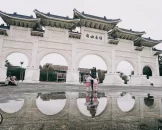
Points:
x=151, y=40
x=31, y=20
x=110, y=22
x=44, y=15
x=130, y=32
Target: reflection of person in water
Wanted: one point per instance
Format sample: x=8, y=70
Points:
x=92, y=103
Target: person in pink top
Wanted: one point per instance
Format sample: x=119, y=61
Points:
x=96, y=81
x=88, y=81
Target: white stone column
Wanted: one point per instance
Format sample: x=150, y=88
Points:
x=32, y=72
x=82, y=32
x=3, y=72
x=3, y=69
x=32, y=75
x=157, y=66
x=113, y=78
x=139, y=64
x=72, y=76
x=113, y=61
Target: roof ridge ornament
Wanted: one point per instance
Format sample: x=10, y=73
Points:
x=83, y=12
x=15, y=13
x=104, y=17
x=48, y=13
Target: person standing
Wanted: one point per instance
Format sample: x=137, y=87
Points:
x=88, y=81
x=93, y=74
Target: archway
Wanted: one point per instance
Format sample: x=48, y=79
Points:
x=125, y=69
x=53, y=67
x=90, y=61
x=147, y=71
x=16, y=64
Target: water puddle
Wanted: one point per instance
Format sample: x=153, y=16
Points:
x=11, y=104
x=122, y=110
x=51, y=103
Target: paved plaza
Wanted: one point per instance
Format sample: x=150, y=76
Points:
x=49, y=87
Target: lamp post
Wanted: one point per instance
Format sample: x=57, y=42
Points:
x=21, y=62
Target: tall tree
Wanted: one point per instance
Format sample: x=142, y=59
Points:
x=8, y=64
x=46, y=68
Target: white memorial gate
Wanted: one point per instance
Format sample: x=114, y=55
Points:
x=98, y=36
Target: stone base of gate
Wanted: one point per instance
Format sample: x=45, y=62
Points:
x=72, y=77
x=156, y=80
x=3, y=74
x=113, y=79
x=32, y=75
x=139, y=80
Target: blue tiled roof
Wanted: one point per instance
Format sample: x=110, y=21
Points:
x=96, y=17
x=149, y=39
x=55, y=16
x=102, y=18
x=131, y=31
x=18, y=15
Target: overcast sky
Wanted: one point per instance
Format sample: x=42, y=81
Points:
x=138, y=15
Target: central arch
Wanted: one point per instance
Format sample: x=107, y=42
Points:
x=60, y=52
x=102, y=55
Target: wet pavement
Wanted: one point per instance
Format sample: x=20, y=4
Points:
x=65, y=107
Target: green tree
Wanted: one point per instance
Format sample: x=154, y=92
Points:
x=48, y=68
x=8, y=64
x=124, y=77
x=101, y=75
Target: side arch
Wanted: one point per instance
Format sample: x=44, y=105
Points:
x=105, y=57
x=132, y=62
x=153, y=69
x=7, y=52
x=49, y=51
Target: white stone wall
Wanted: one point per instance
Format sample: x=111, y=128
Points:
x=56, y=40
